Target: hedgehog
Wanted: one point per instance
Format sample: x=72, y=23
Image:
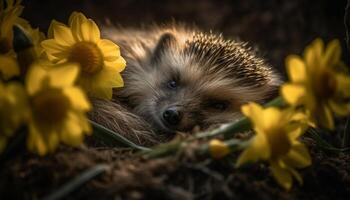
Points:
x=179, y=78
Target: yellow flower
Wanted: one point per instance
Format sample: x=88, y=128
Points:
x=9, y=16
x=276, y=141
x=317, y=84
x=13, y=110
x=36, y=37
x=58, y=108
x=218, y=149
x=99, y=59
x=8, y=67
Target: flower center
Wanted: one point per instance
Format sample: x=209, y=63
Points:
x=50, y=106
x=326, y=86
x=5, y=45
x=279, y=143
x=88, y=55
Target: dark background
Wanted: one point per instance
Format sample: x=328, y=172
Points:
x=276, y=27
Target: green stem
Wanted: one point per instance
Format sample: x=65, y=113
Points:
x=204, y=149
x=113, y=138
x=164, y=150
x=323, y=144
x=78, y=181
x=227, y=130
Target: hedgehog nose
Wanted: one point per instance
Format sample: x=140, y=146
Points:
x=172, y=116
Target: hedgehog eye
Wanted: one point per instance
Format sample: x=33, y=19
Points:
x=172, y=84
x=218, y=105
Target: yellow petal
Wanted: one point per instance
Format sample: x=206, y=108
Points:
x=218, y=149
x=63, y=35
x=313, y=55
x=35, y=77
x=272, y=118
x=53, y=23
x=295, y=129
x=84, y=123
x=282, y=176
x=294, y=94
x=296, y=175
x=90, y=31
x=109, y=49
x=8, y=67
x=35, y=142
x=63, y=75
x=257, y=149
x=298, y=156
x=20, y=99
x=340, y=108
x=52, y=140
x=76, y=17
x=108, y=77
x=254, y=112
x=343, y=85
x=324, y=117
x=103, y=82
x=75, y=21
x=119, y=64
x=296, y=69
x=72, y=133
x=332, y=55
x=118, y=81
x=77, y=98
x=105, y=93
x=54, y=50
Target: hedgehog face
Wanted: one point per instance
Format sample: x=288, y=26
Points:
x=198, y=83
x=186, y=98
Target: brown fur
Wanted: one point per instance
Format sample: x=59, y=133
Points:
x=207, y=69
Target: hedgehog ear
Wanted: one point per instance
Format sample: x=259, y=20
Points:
x=166, y=41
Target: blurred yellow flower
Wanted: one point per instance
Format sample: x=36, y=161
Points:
x=99, y=59
x=218, y=149
x=8, y=67
x=316, y=83
x=10, y=11
x=13, y=110
x=58, y=107
x=276, y=140
x=37, y=37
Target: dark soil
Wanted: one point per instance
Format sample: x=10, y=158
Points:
x=278, y=28
x=179, y=177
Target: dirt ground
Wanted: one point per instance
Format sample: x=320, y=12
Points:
x=181, y=177
x=278, y=28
